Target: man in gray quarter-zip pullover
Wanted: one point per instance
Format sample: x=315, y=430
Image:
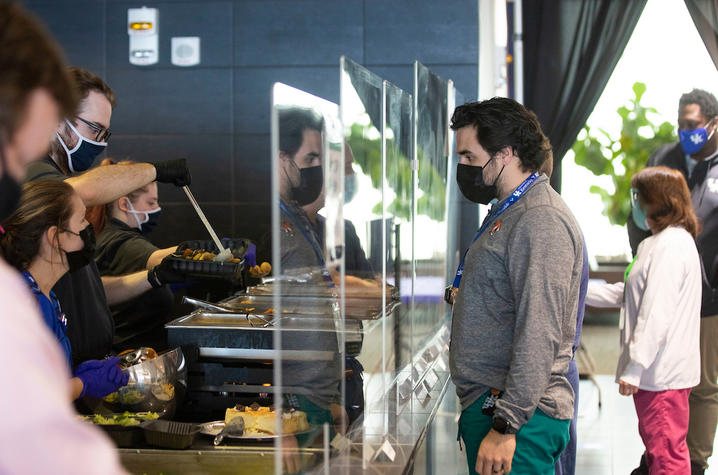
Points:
x=514, y=314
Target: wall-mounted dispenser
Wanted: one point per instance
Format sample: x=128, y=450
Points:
x=143, y=29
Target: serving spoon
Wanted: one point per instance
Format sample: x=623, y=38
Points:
x=233, y=428
x=223, y=254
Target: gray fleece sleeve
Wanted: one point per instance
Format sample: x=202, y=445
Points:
x=540, y=260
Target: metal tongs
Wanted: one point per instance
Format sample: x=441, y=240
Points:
x=216, y=308
x=223, y=254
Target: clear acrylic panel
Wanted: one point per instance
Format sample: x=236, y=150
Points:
x=307, y=324
x=433, y=190
x=398, y=212
x=361, y=112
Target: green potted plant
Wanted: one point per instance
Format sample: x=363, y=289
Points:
x=621, y=157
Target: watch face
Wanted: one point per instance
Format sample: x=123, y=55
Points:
x=501, y=426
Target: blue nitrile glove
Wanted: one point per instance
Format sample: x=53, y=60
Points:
x=250, y=257
x=100, y=378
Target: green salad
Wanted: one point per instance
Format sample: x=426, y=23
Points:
x=124, y=419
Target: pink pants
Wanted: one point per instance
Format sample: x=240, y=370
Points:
x=663, y=425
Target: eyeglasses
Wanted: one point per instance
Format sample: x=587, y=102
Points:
x=634, y=196
x=103, y=134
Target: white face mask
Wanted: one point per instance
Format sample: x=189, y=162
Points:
x=138, y=213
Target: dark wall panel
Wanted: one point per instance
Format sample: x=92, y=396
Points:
x=253, y=86
x=432, y=32
x=180, y=223
x=253, y=168
x=172, y=101
x=209, y=157
x=217, y=114
x=79, y=28
x=297, y=33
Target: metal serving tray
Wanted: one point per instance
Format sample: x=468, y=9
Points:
x=299, y=289
x=355, y=308
x=247, y=336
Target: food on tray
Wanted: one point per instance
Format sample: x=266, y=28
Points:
x=260, y=419
x=163, y=391
x=261, y=270
x=112, y=398
x=131, y=395
x=203, y=255
x=124, y=419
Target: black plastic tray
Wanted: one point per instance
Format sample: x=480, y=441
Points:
x=123, y=436
x=170, y=434
x=211, y=269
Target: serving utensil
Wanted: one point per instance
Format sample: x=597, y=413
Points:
x=233, y=428
x=223, y=254
x=205, y=304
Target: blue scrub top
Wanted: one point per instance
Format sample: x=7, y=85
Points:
x=53, y=316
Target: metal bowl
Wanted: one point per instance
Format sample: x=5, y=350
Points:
x=156, y=385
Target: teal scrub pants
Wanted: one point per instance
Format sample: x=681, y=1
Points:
x=539, y=442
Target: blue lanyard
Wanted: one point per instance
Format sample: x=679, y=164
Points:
x=61, y=317
x=518, y=192
x=309, y=234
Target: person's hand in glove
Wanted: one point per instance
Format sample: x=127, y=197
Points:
x=100, y=378
x=250, y=257
x=174, y=172
x=165, y=273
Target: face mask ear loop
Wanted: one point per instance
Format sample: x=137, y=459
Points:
x=499, y=175
x=712, y=131
x=135, y=213
x=290, y=178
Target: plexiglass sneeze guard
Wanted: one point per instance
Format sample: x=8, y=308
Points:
x=362, y=249
x=310, y=340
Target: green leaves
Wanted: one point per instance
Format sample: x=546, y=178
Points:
x=621, y=157
x=367, y=154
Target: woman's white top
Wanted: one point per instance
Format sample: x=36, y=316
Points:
x=660, y=313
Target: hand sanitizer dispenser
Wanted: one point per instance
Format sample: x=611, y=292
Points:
x=143, y=29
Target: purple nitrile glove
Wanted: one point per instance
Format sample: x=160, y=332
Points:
x=100, y=378
x=250, y=257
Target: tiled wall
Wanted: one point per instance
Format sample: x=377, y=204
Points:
x=217, y=114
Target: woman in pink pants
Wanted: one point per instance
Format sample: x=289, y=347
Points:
x=660, y=318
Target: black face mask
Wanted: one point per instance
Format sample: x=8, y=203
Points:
x=472, y=185
x=10, y=192
x=79, y=259
x=310, y=185
x=153, y=219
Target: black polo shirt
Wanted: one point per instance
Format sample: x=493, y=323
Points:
x=124, y=250
x=90, y=326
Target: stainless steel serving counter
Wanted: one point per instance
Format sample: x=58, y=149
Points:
x=387, y=439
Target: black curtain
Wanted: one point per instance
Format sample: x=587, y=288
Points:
x=705, y=17
x=570, y=50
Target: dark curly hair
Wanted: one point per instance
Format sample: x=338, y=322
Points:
x=705, y=100
x=501, y=122
x=293, y=121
